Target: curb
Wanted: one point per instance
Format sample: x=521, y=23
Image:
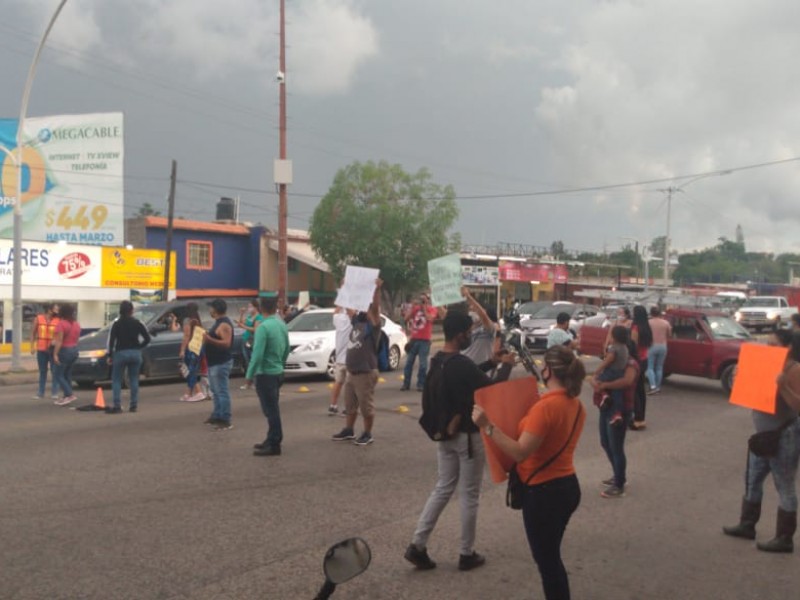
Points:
x=19, y=377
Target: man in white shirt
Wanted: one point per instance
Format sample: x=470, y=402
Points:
x=342, y=323
x=560, y=335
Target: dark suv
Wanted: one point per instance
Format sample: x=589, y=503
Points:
x=160, y=357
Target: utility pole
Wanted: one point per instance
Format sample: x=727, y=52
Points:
x=670, y=190
x=283, y=266
x=168, y=246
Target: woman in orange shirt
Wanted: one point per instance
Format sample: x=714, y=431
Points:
x=551, y=429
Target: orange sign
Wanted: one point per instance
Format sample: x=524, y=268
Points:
x=505, y=404
x=755, y=385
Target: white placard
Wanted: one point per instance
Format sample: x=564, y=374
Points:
x=444, y=275
x=303, y=299
x=358, y=289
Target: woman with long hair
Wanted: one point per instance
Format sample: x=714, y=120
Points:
x=65, y=352
x=125, y=342
x=192, y=360
x=643, y=336
x=543, y=452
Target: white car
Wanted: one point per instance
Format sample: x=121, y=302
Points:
x=312, y=343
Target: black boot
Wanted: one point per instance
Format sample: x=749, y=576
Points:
x=746, y=528
x=784, y=532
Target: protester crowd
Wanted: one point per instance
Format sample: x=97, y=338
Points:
x=543, y=478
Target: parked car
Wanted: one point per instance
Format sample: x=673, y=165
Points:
x=160, y=357
x=759, y=312
x=702, y=345
x=538, y=327
x=312, y=343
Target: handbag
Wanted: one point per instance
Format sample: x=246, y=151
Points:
x=766, y=443
x=516, y=488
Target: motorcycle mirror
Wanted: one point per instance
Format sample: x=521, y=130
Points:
x=345, y=560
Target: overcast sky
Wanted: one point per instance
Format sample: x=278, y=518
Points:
x=496, y=98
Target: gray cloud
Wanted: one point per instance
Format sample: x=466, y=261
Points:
x=495, y=99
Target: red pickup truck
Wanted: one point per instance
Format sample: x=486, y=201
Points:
x=702, y=345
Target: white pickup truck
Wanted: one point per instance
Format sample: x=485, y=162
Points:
x=760, y=312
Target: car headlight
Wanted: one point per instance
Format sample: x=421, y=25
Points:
x=312, y=346
x=92, y=354
x=738, y=316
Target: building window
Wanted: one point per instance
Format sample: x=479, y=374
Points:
x=292, y=265
x=199, y=255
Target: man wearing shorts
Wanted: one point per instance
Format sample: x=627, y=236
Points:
x=362, y=371
x=341, y=323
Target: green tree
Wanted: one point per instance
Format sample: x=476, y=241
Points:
x=378, y=215
x=147, y=210
x=657, y=245
x=557, y=249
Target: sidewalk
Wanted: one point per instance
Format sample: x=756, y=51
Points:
x=28, y=374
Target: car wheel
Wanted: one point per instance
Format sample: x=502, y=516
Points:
x=331, y=370
x=727, y=378
x=394, y=358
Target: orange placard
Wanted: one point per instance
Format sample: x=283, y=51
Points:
x=505, y=404
x=755, y=386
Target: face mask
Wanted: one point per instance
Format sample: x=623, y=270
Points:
x=251, y=310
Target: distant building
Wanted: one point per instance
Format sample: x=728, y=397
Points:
x=234, y=259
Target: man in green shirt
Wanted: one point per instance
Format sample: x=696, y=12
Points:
x=270, y=350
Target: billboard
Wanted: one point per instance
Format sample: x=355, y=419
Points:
x=72, y=179
x=515, y=271
x=51, y=264
x=136, y=269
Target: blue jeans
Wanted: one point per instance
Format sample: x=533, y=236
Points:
x=132, y=361
x=419, y=348
x=617, y=396
x=62, y=374
x=783, y=467
x=546, y=510
x=268, y=388
x=612, y=439
x=192, y=362
x=655, y=364
x=44, y=358
x=247, y=354
x=218, y=379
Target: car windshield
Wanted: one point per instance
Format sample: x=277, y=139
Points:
x=312, y=321
x=531, y=308
x=147, y=313
x=552, y=311
x=768, y=302
x=723, y=328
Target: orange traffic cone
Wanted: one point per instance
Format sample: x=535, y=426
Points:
x=99, y=401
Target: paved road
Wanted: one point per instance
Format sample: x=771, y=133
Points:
x=154, y=505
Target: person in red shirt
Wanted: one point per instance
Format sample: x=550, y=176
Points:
x=419, y=319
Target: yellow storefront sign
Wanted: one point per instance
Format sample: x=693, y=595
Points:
x=135, y=269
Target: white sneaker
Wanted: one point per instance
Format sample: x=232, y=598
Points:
x=65, y=401
x=196, y=398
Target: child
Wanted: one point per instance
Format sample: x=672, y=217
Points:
x=613, y=367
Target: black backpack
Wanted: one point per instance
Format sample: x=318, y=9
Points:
x=382, y=350
x=441, y=414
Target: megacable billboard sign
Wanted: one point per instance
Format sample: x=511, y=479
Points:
x=72, y=179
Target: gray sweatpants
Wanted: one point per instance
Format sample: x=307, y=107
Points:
x=455, y=468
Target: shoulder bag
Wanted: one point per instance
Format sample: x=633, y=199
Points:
x=516, y=488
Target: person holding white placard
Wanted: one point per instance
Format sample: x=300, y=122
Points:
x=362, y=371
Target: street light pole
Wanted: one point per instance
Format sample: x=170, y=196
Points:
x=283, y=263
x=671, y=190
x=16, y=318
